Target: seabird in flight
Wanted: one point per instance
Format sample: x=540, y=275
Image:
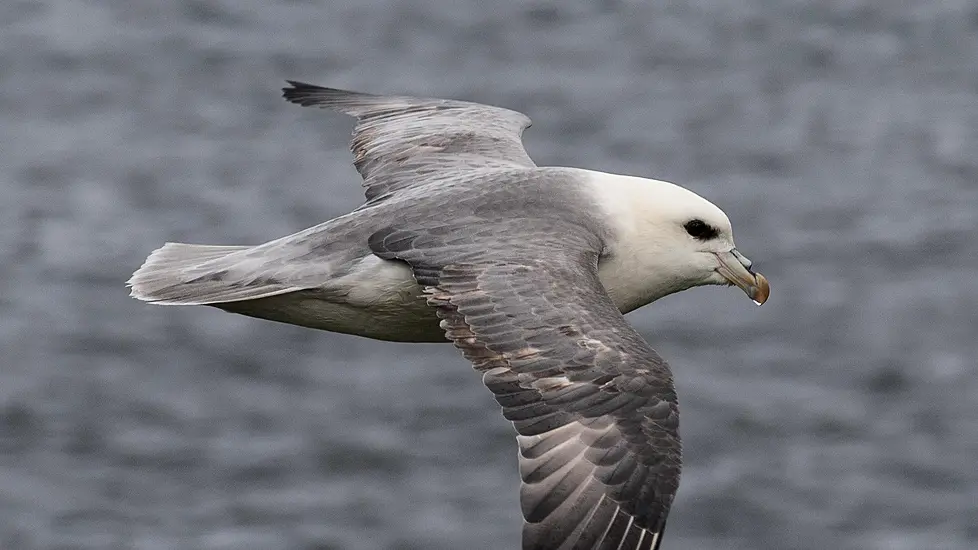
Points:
x=526, y=269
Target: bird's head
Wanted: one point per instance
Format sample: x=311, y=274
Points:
x=677, y=240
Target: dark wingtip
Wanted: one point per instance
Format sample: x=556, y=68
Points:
x=296, y=85
x=299, y=92
x=310, y=95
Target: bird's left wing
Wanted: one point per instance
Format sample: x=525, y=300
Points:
x=402, y=141
x=593, y=404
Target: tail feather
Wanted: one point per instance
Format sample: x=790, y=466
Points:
x=193, y=274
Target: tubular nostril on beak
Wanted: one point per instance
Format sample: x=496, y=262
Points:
x=742, y=259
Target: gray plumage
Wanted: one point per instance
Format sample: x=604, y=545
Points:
x=594, y=405
x=400, y=142
x=463, y=236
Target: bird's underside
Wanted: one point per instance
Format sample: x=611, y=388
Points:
x=455, y=229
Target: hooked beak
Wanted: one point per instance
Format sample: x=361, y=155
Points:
x=735, y=267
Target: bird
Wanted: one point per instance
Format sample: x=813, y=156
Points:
x=526, y=269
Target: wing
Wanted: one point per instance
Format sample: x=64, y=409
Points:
x=399, y=141
x=593, y=404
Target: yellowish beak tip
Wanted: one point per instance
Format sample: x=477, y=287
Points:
x=761, y=290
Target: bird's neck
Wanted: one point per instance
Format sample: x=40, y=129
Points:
x=637, y=268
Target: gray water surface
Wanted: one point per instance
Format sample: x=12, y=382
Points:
x=841, y=138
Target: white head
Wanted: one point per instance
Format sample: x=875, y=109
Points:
x=669, y=239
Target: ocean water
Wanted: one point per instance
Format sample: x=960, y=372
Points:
x=841, y=137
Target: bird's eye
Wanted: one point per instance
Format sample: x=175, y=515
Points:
x=700, y=230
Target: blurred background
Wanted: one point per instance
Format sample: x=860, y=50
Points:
x=841, y=137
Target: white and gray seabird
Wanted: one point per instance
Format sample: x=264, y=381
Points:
x=526, y=269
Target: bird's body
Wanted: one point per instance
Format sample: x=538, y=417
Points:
x=339, y=285
x=526, y=269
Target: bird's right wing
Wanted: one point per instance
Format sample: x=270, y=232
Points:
x=593, y=404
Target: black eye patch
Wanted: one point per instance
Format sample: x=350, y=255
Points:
x=700, y=230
